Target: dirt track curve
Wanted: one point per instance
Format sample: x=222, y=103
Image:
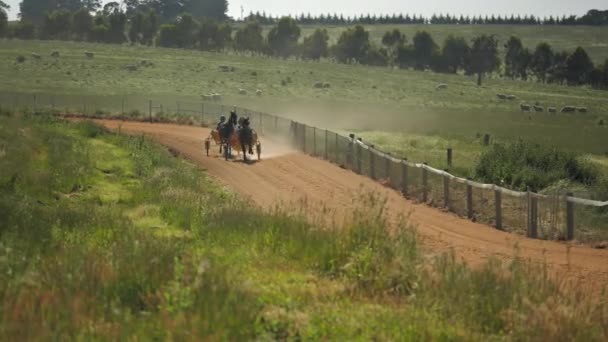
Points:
x=287, y=176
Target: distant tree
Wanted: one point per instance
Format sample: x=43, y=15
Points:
x=214, y=9
x=82, y=23
x=22, y=30
x=249, y=37
x=150, y=27
x=424, y=49
x=542, y=61
x=483, y=57
x=117, y=23
x=4, y=5
x=136, y=27
x=376, y=57
x=35, y=11
x=578, y=67
x=394, y=38
x=167, y=36
x=405, y=56
x=283, y=38
x=57, y=25
x=513, y=57
x=454, y=54
x=353, y=44
x=213, y=36
x=3, y=20
x=187, y=30
x=315, y=46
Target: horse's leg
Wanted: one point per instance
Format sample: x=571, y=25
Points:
x=244, y=152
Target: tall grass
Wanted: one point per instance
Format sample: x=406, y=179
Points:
x=173, y=256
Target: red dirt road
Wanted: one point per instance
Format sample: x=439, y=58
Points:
x=288, y=176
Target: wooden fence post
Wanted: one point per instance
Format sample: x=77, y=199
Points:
x=387, y=165
x=326, y=145
x=314, y=141
x=424, y=183
x=470, y=213
x=404, y=175
x=498, y=207
x=372, y=164
x=449, y=157
x=359, y=157
x=532, y=215
x=569, y=218
x=446, y=191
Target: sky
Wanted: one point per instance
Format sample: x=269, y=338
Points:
x=427, y=8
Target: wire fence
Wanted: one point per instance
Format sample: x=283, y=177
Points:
x=557, y=216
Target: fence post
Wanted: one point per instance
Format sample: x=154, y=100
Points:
x=314, y=141
x=569, y=217
x=424, y=183
x=372, y=164
x=449, y=157
x=532, y=215
x=404, y=172
x=498, y=207
x=337, y=154
x=446, y=191
x=326, y=145
x=150, y=111
x=470, y=212
x=303, y=137
x=388, y=165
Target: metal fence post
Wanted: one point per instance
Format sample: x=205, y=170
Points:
x=569, y=217
x=470, y=212
x=449, y=157
x=424, y=183
x=446, y=191
x=404, y=172
x=498, y=207
x=372, y=164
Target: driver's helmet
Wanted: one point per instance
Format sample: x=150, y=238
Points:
x=246, y=122
x=222, y=118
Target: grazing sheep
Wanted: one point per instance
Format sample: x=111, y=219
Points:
x=242, y=91
x=524, y=107
x=511, y=97
x=145, y=63
x=55, y=54
x=254, y=73
x=568, y=109
x=318, y=85
x=326, y=85
x=20, y=59
x=441, y=86
x=226, y=68
x=36, y=56
x=258, y=92
x=89, y=54
x=539, y=108
x=552, y=110
x=501, y=96
x=131, y=67
x=582, y=109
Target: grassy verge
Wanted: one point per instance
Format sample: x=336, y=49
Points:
x=110, y=237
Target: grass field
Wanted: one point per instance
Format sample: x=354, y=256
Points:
x=111, y=237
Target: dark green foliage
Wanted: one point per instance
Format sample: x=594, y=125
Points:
x=353, y=44
x=57, y=25
x=542, y=60
x=578, y=67
x=82, y=23
x=454, y=54
x=424, y=48
x=517, y=59
x=315, y=46
x=3, y=23
x=520, y=165
x=483, y=57
x=249, y=38
x=283, y=38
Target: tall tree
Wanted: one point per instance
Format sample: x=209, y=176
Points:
x=513, y=56
x=424, y=49
x=455, y=53
x=150, y=27
x=35, y=11
x=578, y=67
x=283, y=38
x=249, y=37
x=484, y=56
x=3, y=21
x=353, y=44
x=187, y=29
x=82, y=23
x=214, y=9
x=315, y=46
x=542, y=61
x=57, y=25
x=136, y=27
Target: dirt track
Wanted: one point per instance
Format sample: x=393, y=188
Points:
x=288, y=176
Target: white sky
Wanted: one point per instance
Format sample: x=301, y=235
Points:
x=427, y=8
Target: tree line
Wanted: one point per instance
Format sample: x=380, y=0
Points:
x=592, y=17
x=478, y=56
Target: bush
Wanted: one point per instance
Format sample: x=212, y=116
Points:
x=521, y=164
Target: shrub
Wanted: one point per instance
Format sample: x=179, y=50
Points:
x=521, y=164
